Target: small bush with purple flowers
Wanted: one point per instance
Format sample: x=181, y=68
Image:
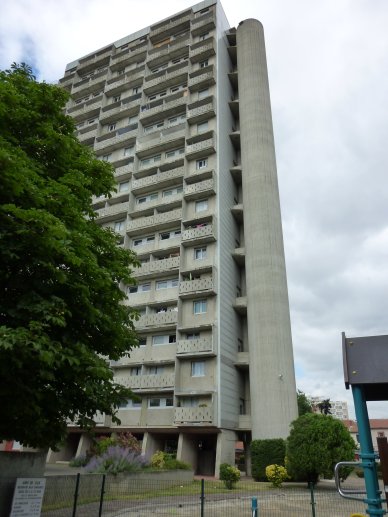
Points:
x=116, y=459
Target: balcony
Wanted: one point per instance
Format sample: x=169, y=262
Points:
x=158, y=245
x=167, y=107
x=200, y=189
x=159, y=180
x=244, y=422
x=131, y=55
x=120, y=83
x=122, y=136
x=242, y=360
x=235, y=139
x=173, y=200
x=172, y=50
x=126, y=170
x=110, y=212
x=194, y=415
x=240, y=305
x=94, y=61
x=88, y=133
x=203, y=112
x=197, y=288
x=203, y=23
x=201, y=80
x=235, y=107
x=239, y=256
x=195, y=347
x=126, y=107
x=166, y=78
x=238, y=212
x=91, y=108
x=157, y=267
x=88, y=85
x=147, y=382
x=67, y=81
x=158, y=320
x=170, y=138
x=170, y=26
x=202, y=50
x=236, y=172
x=201, y=148
x=156, y=222
x=200, y=234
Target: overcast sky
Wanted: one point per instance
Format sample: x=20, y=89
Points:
x=328, y=71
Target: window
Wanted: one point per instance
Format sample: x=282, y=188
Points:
x=131, y=404
x=204, y=63
x=160, y=402
x=197, y=368
x=142, y=342
x=203, y=93
x=167, y=284
x=141, y=241
x=116, y=99
x=144, y=287
x=200, y=307
x=129, y=151
x=111, y=127
x=177, y=120
x=146, y=199
x=203, y=36
x=175, y=152
x=201, y=164
x=169, y=235
x=135, y=90
x=200, y=253
x=121, y=72
x=152, y=159
x=135, y=371
x=203, y=126
x=124, y=186
x=156, y=95
x=155, y=370
x=193, y=335
x=106, y=158
x=119, y=226
x=172, y=191
x=190, y=402
x=201, y=206
x=164, y=339
x=91, y=121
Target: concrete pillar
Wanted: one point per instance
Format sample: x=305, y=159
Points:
x=83, y=445
x=226, y=449
x=188, y=450
x=272, y=377
x=150, y=445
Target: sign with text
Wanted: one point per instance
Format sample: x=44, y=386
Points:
x=28, y=497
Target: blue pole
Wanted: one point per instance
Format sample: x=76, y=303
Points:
x=255, y=512
x=367, y=455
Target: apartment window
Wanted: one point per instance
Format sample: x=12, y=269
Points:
x=160, y=402
x=124, y=186
x=135, y=90
x=111, y=127
x=121, y=72
x=132, y=289
x=131, y=404
x=175, y=152
x=146, y=199
x=197, y=368
x=177, y=120
x=200, y=253
x=169, y=235
x=167, y=284
x=152, y=127
x=156, y=95
x=204, y=63
x=129, y=151
x=106, y=158
x=152, y=159
x=143, y=240
x=193, y=335
x=203, y=126
x=201, y=206
x=155, y=370
x=119, y=226
x=200, y=306
x=201, y=164
x=203, y=36
x=91, y=121
x=164, y=339
x=116, y=98
x=172, y=191
x=142, y=342
x=144, y=287
x=203, y=93
x=135, y=371
x=190, y=402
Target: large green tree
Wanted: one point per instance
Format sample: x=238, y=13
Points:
x=61, y=311
x=304, y=404
x=316, y=443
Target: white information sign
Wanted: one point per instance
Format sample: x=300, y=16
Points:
x=28, y=497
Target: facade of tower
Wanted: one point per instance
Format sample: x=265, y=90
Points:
x=181, y=109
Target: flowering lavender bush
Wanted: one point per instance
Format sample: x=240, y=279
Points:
x=116, y=459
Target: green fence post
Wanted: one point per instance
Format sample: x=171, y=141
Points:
x=76, y=494
x=311, y=485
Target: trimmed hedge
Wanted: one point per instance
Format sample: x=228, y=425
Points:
x=264, y=453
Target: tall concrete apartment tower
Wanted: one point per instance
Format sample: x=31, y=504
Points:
x=182, y=111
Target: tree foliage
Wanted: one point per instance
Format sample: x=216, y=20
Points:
x=61, y=316
x=304, y=405
x=325, y=407
x=266, y=452
x=316, y=443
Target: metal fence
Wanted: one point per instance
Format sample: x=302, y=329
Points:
x=125, y=496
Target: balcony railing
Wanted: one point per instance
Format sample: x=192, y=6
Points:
x=203, y=112
x=198, y=148
x=157, y=266
x=194, y=415
x=154, y=56
x=198, y=286
x=161, y=139
x=94, y=60
x=189, y=347
x=126, y=169
x=168, y=25
x=123, y=81
x=202, y=51
x=84, y=108
x=117, y=140
x=198, y=81
x=196, y=190
x=160, y=179
x=155, y=221
x=88, y=84
x=147, y=382
x=200, y=232
x=174, y=198
x=160, y=319
x=148, y=112
x=166, y=76
x=119, y=208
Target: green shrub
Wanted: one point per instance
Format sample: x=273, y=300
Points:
x=80, y=461
x=266, y=452
x=276, y=474
x=165, y=460
x=115, y=460
x=229, y=475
